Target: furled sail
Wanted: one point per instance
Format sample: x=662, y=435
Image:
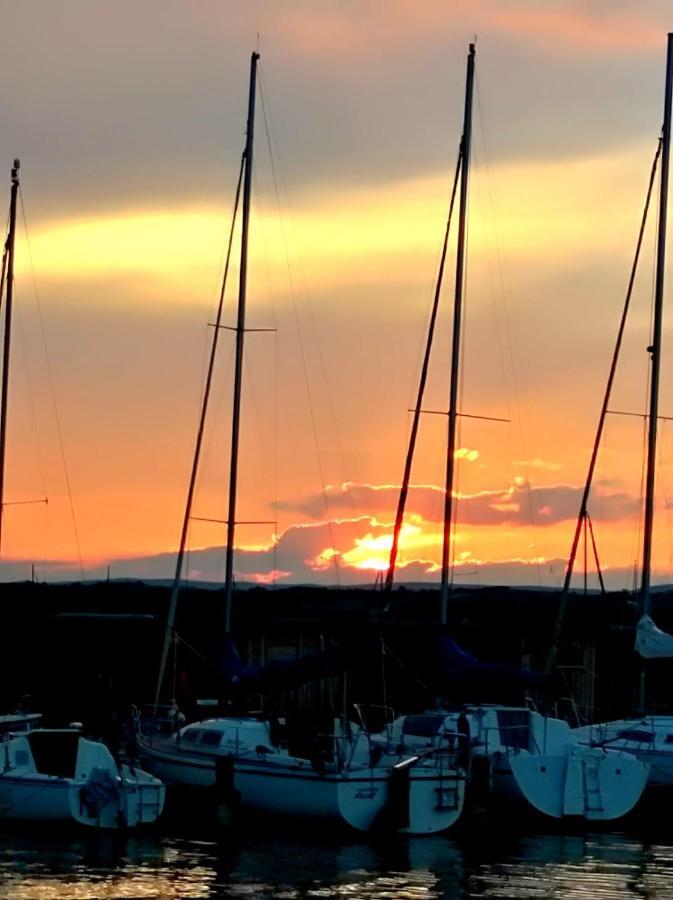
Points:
x=460, y=667
x=652, y=642
x=279, y=673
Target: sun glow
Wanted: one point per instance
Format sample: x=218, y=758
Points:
x=372, y=552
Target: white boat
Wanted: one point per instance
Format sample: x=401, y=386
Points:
x=536, y=759
x=330, y=774
x=649, y=738
x=58, y=776
x=338, y=777
x=14, y=722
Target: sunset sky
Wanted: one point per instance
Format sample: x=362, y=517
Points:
x=129, y=120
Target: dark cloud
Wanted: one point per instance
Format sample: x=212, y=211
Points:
x=524, y=504
x=137, y=102
x=207, y=565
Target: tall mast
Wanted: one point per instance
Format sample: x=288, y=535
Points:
x=9, y=246
x=584, y=505
x=455, y=348
x=240, y=334
x=411, y=447
x=169, y=633
x=655, y=348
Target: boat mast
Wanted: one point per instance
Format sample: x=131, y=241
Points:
x=406, y=477
x=169, y=634
x=455, y=348
x=240, y=334
x=583, y=515
x=9, y=247
x=655, y=348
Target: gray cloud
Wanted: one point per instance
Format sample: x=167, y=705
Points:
x=207, y=566
x=137, y=102
x=524, y=505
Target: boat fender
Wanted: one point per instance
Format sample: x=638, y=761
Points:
x=397, y=803
x=99, y=791
x=227, y=797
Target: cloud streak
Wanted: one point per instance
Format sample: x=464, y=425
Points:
x=521, y=504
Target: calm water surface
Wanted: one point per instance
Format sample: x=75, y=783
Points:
x=483, y=864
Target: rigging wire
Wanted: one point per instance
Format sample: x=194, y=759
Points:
x=404, y=488
x=405, y=668
x=250, y=383
x=273, y=137
x=175, y=590
x=271, y=466
x=608, y=390
x=5, y=253
x=31, y=396
x=302, y=352
x=275, y=505
x=560, y=614
x=461, y=404
x=664, y=467
x=490, y=254
x=639, y=530
x=519, y=396
x=52, y=389
x=648, y=379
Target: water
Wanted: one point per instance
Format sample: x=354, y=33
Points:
x=483, y=864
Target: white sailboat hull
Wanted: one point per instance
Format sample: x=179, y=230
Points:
x=589, y=786
x=56, y=800
x=363, y=800
x=536, y=761
x=429, y=798
x=649, y=739
x=61, y=777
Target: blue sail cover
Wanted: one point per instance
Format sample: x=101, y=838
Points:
x=443, y=661
x=459, y=667
x=279, y=673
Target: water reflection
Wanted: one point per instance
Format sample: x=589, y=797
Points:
x=252, y=865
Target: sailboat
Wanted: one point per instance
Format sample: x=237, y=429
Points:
x=533, y=762
x=58, y=775
x=531, y=757
x=322, y=771
x=649, y=737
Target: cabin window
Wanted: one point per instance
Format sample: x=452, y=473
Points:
x=640, y=737
x=211, y=738
x=191, y=736
x=514, y=728
x=423, y=725
x=669, y=738
x=54, y=752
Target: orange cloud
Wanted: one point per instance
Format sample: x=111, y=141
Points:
x=392, y=26
x=521, y=504
x=580, y=27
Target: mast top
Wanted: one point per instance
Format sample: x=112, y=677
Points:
x=15, y=171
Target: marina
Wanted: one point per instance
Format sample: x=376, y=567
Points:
x=263, y=664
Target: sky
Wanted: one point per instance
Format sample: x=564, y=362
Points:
x=129, y=119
